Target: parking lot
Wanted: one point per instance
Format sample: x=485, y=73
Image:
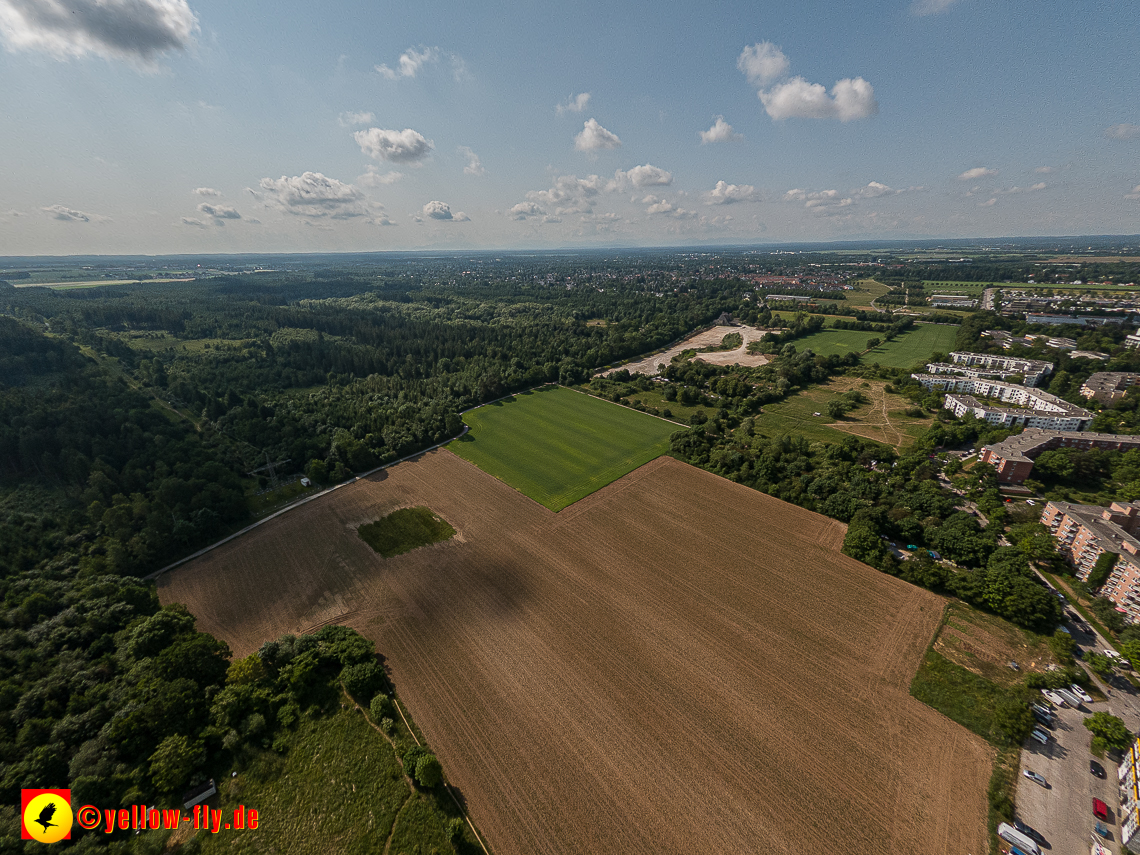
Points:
x=1062, y=813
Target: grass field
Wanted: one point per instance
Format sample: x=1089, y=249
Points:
x=557, y=446
x=403, y=530
x=914, y=347
x=881, y=419
x=864, y=292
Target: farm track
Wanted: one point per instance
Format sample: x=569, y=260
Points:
x=676, y=663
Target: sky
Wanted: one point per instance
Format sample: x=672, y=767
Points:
x=192, y=126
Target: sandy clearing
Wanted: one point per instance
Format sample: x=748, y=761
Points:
x=708, y=338
x=674, y=664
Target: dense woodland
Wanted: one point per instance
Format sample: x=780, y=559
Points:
x=134, y=420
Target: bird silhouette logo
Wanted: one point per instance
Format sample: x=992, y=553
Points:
x=46, y=815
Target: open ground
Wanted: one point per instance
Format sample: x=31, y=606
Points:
x=708, y=338
x=904, y=351
x=674, y=664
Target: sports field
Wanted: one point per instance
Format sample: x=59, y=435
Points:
x=557, y=446
x=905, y=351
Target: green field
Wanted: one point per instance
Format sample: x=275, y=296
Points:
x=915, y=346
x=404, y=530
x=557, y=446
x=905, y=351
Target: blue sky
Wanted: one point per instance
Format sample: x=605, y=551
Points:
x=162, y=126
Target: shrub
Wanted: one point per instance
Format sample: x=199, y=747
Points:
x=429, y=772
x=363, y=680
x=380, y=707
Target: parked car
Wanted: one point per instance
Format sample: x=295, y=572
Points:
x=1040, y=735
x=1029, y=831
x=1080, y=693
x=1037, y=779
x=1096, y=768
x=1100, y=809
x=1054, y=698
x=1101, y=829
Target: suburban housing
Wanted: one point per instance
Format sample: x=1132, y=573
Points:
x=1013, y=457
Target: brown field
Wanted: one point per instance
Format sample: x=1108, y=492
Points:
x=674, y=664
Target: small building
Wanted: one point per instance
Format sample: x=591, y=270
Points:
x=953, y=301
x=199, y=794
x=725, y=320
x=1132, y=340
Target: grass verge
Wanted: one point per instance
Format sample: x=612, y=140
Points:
x=404, y=530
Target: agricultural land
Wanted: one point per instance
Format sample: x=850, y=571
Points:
x=640, y=673
x=557, y=446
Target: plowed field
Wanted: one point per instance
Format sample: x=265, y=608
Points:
x=673, y=664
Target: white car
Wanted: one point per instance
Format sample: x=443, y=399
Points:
x=1054, y=698
x=1080, y=693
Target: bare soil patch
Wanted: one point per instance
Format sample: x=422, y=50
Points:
x=708, y=338
x=674, y=664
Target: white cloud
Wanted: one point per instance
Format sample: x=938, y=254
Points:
x=193, y=221
x=374, y=178
x=976, y=173
x=409, y=63
x=762, y=63
x=382, y=220
x=406, y=146
x=575, y=104
x=61, y=212
x=221, y=212
x=461, y=217
x=474, y=164
x=137, y=30
x=930, y=7
x=1135, y=194
x=1123, y=131
x=438, y=210
x=665, y=207
x=988, y=204
x=526, y=209
x=569, y=194
x=1045, y=170
x=640, y=176
x=313, y=195
x=721, y=131
x=351, y=119
x=819, y=199
x=874, y=190
x=594, y=137
x=206, y=191
x=797, y=99
x=728, y=194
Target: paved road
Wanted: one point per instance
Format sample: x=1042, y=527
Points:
x=1063, y=812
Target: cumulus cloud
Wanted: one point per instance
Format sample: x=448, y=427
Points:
x=1123, y=131
x=137, y=30
x=409, y=63
x=593, y=137
x=221, y=212
x=762, y=63
x=474, y=164
x=721, y=131
x=351, y=119
x=382, y=220
x=193, y=221
x=206, y=191
x=438, y=210
x=1135, y=194
x=569, y=194
x=406, y=146
x=313, y=195
x=988, y=204
x=70, y=215
x=659, y=207
x=375, y=178
x=850, y=99
x=728, y=194
x=930, y=7
x=976, y=173
x=876, y=189
x=461, y=217
x=819, y=199
x=523, y=210
x=1045, y=170
x=575, y=104
x=647, y=175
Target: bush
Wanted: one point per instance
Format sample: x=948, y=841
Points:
x=429, y=772
x=380, y=707
x=363, y=680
